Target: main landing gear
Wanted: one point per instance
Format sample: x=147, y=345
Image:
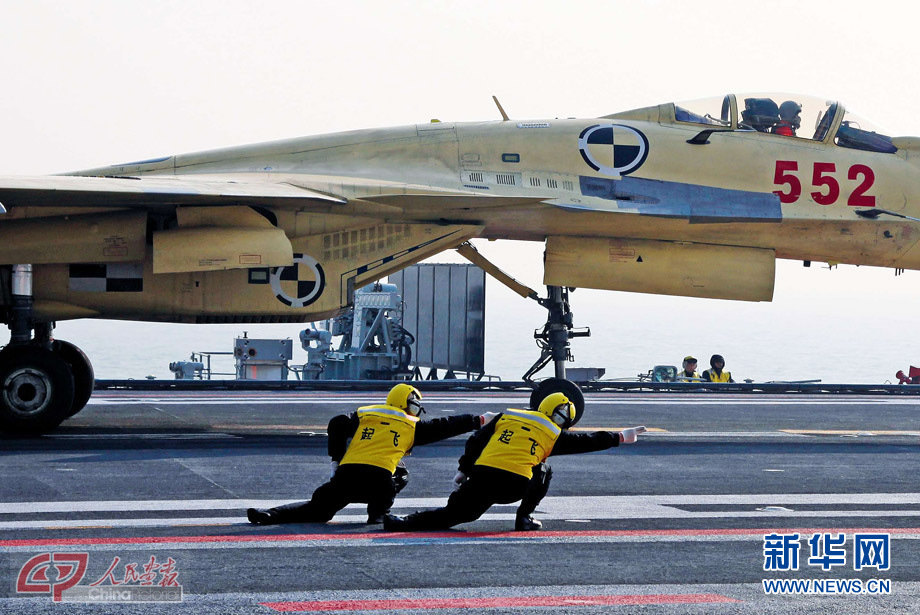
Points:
x=42, y=380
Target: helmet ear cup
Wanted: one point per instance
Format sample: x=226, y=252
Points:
x=414, y=404
x=564, y=415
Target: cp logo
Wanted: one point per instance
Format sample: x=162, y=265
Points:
x=613, y=149
x=33, y=576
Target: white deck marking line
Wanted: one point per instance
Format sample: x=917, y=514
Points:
x=479, y=401
x=543, y=513
x=580, y=502
x=557, y=507
x=653, y=433
x=143, y=436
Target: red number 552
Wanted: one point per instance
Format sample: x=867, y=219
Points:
x=827, y=188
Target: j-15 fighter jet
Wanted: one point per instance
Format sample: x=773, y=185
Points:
x=695, y=199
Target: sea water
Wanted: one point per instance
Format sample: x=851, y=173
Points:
x=849, y=324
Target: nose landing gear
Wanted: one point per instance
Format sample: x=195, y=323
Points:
x=553, y=339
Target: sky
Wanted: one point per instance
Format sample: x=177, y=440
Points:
x=86, y=84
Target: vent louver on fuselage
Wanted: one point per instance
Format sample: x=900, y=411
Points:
x=483, y=180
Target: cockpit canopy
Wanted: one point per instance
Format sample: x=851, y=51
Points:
x=786, y=115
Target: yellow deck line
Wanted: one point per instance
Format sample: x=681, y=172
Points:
x=850, y=432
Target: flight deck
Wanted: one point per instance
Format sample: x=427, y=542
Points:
x=156, y=483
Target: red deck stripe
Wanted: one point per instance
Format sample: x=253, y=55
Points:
x=41, y=542
x=510, y=601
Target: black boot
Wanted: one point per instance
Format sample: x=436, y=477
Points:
x=394, y=523
x=536, y=490
x=526, y=524
x=262, y=516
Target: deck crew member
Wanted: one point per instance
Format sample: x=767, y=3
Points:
x=504, y=462
x=717, y=372
x=368, y=468
x=688, y=373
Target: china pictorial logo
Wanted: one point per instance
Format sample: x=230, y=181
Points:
x=60, y=574
x=827, y=551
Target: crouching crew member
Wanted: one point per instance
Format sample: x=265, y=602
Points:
x=369, y=468
x=503, y=463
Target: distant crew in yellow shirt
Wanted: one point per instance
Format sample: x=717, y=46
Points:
x=717, y=372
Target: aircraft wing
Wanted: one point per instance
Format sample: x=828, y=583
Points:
x=154, y=190
x=299, y=191
x=626, y=195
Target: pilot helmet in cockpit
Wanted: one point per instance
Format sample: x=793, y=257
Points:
x=761, y=114
x=789, y=112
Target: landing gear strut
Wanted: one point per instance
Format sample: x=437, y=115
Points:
x=21, y=312
x=553, y=341
x=42, y=380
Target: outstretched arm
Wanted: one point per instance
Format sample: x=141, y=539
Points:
x=573, y=443
x=427, y=432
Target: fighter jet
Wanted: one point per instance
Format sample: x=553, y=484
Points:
x=695, y=199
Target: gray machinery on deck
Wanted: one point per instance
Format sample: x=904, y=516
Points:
x=262, y=359
x=374, y=344
x=443, y=305
x=254, y=359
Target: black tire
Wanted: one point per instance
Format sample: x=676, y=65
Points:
x=36, y=390
x=84, y=378
x=559, y=385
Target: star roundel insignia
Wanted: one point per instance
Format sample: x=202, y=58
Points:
x=300, y=284
x=613, y=149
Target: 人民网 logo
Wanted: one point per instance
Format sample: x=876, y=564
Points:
x=300, y=284
x=60, y=575
x=613, y=149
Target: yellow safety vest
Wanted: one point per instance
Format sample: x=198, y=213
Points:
x=723, y=377
x=384, y=435
x=522, y=439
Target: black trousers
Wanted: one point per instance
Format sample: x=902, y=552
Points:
x=351, y=483
x=485, y=487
